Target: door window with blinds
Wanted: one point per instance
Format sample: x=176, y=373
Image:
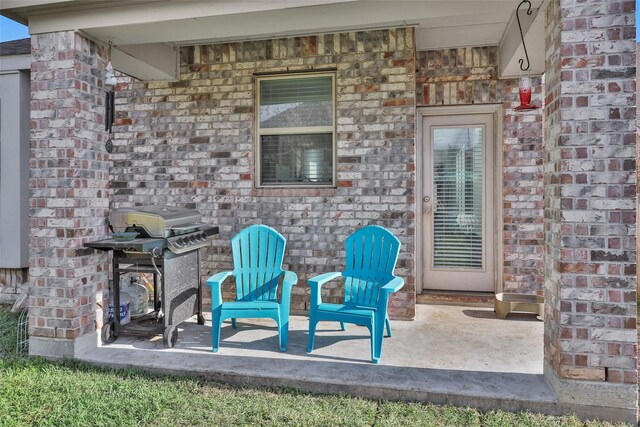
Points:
x=296, y=130
x=457, y=187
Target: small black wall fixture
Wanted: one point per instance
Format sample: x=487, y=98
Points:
x=109, y=107
x=521, y=61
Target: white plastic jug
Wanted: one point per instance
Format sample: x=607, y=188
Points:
x=125, y=311
x=139, y=297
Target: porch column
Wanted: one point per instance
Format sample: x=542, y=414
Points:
x=590, y=206
x=69, y=195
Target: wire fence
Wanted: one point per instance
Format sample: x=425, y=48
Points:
x=22, y=339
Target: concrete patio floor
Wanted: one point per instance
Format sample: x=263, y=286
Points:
x=459, y=355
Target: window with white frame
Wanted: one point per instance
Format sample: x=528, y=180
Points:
x=296, y=130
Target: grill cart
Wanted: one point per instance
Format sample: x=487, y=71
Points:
x=164, y=242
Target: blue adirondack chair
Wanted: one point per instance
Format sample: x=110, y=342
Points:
x=372, y=253
x=257, y=267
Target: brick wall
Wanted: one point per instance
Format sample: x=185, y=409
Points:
x=191, y=143
x=590, y=192
x=466, y=76
x=552, y=185
x=68, y=191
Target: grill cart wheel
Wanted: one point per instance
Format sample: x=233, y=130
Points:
x=200, y=319
x=108, y=333
x=170, y=336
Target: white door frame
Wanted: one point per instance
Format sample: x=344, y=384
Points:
x=498, y=117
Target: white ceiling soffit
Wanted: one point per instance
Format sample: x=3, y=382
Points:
x=512, y=50
x=475, y=23
x=440, y=23
x=163, y=24
x=483, y=28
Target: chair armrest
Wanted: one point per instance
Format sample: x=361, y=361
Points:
x=390, y=287
x=393, y=285
x=218, y=278
x=290, y=278
x=316, y=282
x=321, y=279
x=215, y=283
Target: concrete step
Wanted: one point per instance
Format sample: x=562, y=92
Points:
x=468, y=299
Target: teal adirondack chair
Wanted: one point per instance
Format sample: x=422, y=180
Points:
x=372, y=253
x=257, y=267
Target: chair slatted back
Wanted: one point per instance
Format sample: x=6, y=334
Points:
x=371, y=257
x=258, y=252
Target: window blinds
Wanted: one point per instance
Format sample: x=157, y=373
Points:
x=296, y=102
x=296, y=130
x=458, y=204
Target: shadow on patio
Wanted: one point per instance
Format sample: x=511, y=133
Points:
x=459, y=355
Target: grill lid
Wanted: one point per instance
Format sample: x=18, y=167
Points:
x=157, y=221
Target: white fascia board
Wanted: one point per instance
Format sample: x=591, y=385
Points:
x=161, y=11
x=15, y=4
x=157, y=61
x=15, y=62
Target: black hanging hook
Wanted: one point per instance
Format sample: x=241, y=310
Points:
x=521, y=61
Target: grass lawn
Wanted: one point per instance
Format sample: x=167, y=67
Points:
x=35, y=392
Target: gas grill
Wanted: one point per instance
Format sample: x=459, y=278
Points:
x=166, y=246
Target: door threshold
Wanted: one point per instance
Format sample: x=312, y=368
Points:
x=470, y=299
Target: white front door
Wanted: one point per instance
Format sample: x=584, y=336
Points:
x=458, y=203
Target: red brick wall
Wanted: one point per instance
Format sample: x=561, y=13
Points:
x=69, y=181
x=466, y=76
x=191, y=143
x=552, y=186
x=591, y=191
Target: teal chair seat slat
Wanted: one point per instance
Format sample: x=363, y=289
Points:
x=258, y=252
x=353, y=310
x=371, y=256
x=251, y=305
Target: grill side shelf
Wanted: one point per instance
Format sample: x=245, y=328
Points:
x=136, y=245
